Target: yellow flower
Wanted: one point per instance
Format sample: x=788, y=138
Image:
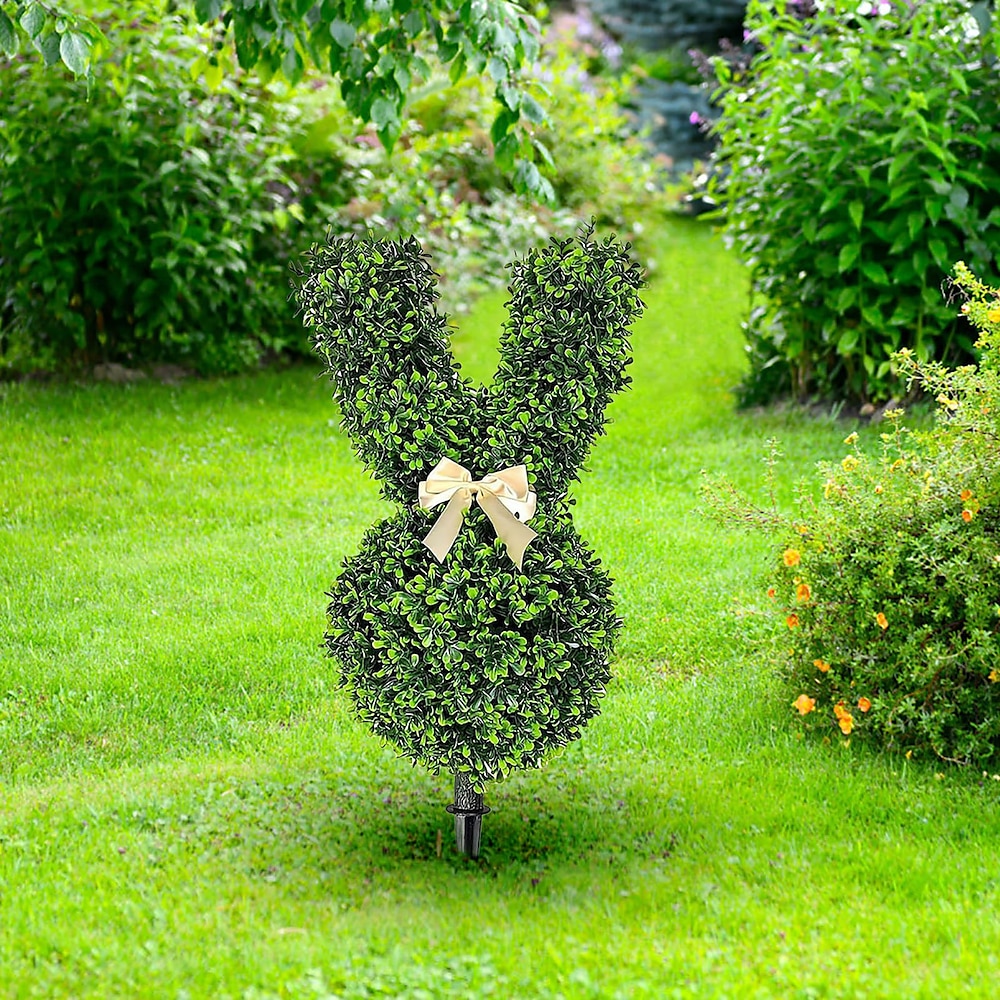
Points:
x=803, y=529
x=804, y=704
x=803, y=592
x=883, y=622
x=821, y=665
x=792, y=557
x=994, y=675
x=849, y=463
x=951, y=404
x=864, y=704
x=851, y=438
x=878, y=489
x=993, y=315
x=792, y=621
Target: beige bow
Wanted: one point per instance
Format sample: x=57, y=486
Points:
x=504, y=497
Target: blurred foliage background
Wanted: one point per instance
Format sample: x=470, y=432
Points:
x=148, y=214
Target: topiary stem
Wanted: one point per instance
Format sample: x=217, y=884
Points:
x=468, y=810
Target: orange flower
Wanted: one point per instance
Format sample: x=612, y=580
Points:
x=844, y=718
x=883, y=622
x=804, y=704
x=967, y=516
x=864, y=704
x=792, y=621
x=994, y=675
x=772, y=593
x=821, y=665
x=792, y=557
x=803, y=592
x=965, y=495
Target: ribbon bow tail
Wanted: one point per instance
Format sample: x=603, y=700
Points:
x=515, y=534
x=445, y=529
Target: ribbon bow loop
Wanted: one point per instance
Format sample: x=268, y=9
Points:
x=504, y=497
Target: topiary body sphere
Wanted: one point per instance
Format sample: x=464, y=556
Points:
x=472, y=664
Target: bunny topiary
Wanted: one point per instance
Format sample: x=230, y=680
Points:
x=473, y=642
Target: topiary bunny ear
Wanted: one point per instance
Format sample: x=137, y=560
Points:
x=373, y=307
x=562, y=356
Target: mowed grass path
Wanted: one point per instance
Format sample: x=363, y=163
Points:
x=188, y=809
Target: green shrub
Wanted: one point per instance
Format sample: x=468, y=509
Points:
x=154, y=221
x=443, y=185
x=471, y=665
x=859, y=156
x=148, y=218
x=887, y=588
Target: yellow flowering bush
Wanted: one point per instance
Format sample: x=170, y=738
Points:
x=892, y=592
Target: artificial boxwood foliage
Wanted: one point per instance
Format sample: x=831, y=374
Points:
x=471, y=665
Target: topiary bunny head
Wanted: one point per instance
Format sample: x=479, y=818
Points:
x=466, y=660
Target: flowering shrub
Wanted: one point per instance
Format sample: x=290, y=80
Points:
x=857, y=159
x=887, y=586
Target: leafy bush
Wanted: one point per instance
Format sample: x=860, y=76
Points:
x=154, y=222
x=470, y=665
x=860, y=155
x=146, y=220
x=443, y=185
x=887, y=588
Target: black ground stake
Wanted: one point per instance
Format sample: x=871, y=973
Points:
x=468, y=810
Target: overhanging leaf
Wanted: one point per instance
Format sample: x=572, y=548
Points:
x=33, y=20
x=342, y=33
x=8, y=38
x=75, y=52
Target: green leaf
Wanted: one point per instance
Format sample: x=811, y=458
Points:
x=848, y=297
x=532, y=110
x=832, y=230
x=33, y=20
x=506, y=150
x=848, y=255
x=543, y=152
x=501, y=124
x=8, y=38
x=848, y=340
x=384, y=113
x=875, y=272
x=343, y=33
x=75, y=52
x=213, y=75
x=207, y=10
x=856, y=210
x=49, y=46
x=497, y=69
x=939, y=251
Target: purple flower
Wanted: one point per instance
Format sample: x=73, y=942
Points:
x=694, y=118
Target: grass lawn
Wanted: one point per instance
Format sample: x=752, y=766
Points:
x=188, y=809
